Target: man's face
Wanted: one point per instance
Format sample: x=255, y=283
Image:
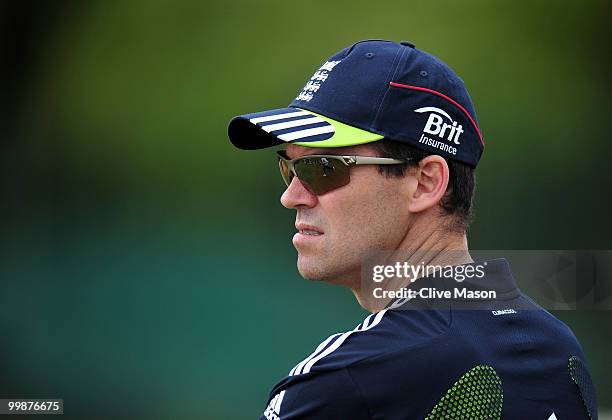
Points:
x=370, y=213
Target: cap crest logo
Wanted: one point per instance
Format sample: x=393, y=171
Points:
x=315, y=82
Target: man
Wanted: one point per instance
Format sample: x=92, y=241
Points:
x=381, y=146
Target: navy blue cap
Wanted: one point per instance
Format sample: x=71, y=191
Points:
x=371, y=90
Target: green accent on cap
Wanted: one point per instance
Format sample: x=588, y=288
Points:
x=344, y=135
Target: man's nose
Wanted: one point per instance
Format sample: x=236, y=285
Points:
x=297, y=195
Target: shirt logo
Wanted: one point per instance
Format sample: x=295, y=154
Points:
x=273, y=410
x=504, y=312
x=315, y=82
x=436, y=126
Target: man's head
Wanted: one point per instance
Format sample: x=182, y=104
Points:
x=383, y=207
x=374, y=98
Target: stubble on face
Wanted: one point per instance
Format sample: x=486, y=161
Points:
x=368, y=214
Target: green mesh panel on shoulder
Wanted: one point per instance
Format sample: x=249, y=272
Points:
x=477, y=395
x=580, y=376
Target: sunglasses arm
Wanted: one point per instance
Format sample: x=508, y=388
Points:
x=366, y=160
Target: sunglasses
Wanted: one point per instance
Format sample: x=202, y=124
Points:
x=322, y=173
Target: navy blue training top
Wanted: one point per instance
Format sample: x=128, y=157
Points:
x=500, y=358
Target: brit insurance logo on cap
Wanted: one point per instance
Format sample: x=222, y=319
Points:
x=436, y=126
x=368, y=91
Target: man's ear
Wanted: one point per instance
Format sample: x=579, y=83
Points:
x=431, y=179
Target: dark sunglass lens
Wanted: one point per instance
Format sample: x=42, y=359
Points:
x=321, y=174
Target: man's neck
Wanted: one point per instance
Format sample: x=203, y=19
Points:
x=419, y=248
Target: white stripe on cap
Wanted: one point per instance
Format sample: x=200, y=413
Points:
x=278, y=116
x=293, y=123
x=306, y=133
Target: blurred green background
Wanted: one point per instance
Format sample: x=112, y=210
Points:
x=146, y=266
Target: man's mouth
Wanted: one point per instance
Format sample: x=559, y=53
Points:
x=310, y=232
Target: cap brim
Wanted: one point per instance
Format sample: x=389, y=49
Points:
x=295, y=126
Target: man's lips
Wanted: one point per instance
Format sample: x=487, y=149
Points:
x=308, y=230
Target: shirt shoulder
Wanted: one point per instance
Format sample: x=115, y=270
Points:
x=324, y=385
x=380, y=333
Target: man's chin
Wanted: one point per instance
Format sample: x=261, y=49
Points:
x=314, y=269
x=308, y=274
x=311, y=268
